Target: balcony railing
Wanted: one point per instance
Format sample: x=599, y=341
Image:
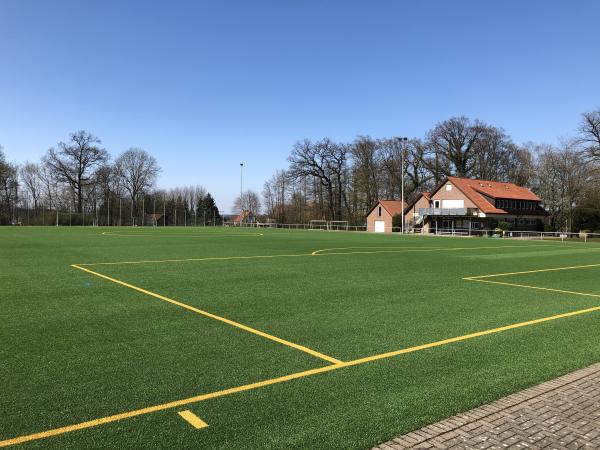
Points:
x=443, y=211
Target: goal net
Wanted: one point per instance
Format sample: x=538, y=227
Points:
x=318, y=225
x=337, y=225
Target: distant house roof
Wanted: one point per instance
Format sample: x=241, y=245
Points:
x=478, y=191
x=393, y=207
x=242, y=216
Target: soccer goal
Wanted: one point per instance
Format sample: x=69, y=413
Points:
x=338, y=225
x=318, y=225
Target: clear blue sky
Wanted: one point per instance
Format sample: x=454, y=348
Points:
x=203, y=86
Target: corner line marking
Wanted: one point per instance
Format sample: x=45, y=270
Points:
x=213, y=316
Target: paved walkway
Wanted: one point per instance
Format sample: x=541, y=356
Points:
x=560, y=414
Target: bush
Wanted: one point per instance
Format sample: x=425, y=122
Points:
x=504, y=226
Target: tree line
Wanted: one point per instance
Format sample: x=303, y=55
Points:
x=328, y=180
x=78, y=183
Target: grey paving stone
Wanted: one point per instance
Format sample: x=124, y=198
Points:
x=561, y=414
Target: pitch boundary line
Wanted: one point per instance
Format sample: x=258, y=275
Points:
x=505, y=274
x=282, y=379
x=539, y=288
x=210, y=258
x=481, y=279
x=326, y=251
x=213, y=316
x=316, y=253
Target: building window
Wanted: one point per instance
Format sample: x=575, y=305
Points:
x=379, y=211
x=448, y=187
x=436, y=203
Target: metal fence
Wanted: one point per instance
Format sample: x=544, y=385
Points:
x=520, y=235
x=66, y=218
x=299, y=226
x=456, y=232
x=44, y=216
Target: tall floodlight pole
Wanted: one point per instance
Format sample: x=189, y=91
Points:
x=241, y=193
x=402, y=141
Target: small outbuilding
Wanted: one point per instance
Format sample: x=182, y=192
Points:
x=380, y=217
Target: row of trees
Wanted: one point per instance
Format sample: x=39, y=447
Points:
x=327, y=180
x=77, y=182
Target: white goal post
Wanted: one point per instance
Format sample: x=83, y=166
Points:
x=337, y=225
x=318, y=225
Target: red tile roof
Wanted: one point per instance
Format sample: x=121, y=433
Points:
x=477, y=190
x=242, y=216
x=394, y=207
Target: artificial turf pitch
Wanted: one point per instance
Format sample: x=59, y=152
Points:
x=276, y=339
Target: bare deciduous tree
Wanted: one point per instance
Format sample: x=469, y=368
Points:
x=32, y=180
x=8, y=188
x=137, y=171
x=274, y=195
x=366, y=159
x=561, y=178
x=454, y=142
x=249, y=202
x=76, y=161
x=589, y=133
x=325, y=161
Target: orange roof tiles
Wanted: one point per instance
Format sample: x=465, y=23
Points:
x=478, y=190
x=394, y=207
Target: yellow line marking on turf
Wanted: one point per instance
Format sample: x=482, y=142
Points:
x=193, y=419
x=315, y=253
x=213, y=316
x=420, y=249
x=480, y=279
x=282, y=379
x=531, y=271
x=164, y=406
x=210, y=258
x=382, y=249
x=472, y=336
x=561, y=291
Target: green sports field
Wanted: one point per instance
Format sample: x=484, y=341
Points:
x=276, y=339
